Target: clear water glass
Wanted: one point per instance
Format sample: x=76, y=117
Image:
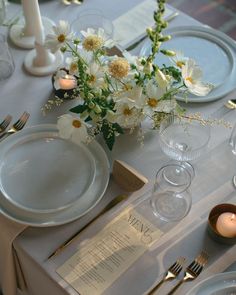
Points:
x=171, y=201
x=93, y=18
x=7, y=65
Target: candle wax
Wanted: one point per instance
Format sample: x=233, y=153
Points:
x=68, y=82
x=226, y=224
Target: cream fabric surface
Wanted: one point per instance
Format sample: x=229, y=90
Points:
x=9, y=231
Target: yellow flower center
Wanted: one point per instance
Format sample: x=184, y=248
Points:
x=76, y=123
x=152, y=102
x=127, y=87
x=92, y=78
x=73, y=67
x=190, y=79
x=180, y=63
x=127, y=112
x=119, y=68
x=92, y=43
x=61, y=38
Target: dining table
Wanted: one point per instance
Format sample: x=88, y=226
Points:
x=34, y=273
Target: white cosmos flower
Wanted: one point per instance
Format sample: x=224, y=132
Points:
x=192, y=75
x=133, y=60
x=59, y=74
x=95, y=39
x=61, y=35
x=96, y=73
x=154, y=102
x=179, y=59
x=71, y=127
x=133, y=97
x=127, y=116
x=72, y=62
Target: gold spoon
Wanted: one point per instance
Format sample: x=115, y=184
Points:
x=77, y=2
x=66, y=2
x=228, y=106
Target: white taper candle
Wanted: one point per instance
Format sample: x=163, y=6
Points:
x=33, y=20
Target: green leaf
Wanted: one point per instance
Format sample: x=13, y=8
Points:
x=79, y=109
x=118, y=128
x=108, y=134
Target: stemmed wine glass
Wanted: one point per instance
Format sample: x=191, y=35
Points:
x=183, y=140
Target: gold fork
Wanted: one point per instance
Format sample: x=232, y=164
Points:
x=17, y=126
x=171, y=273
x=4, y=124
x=193, y=270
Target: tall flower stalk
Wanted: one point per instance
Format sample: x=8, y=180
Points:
x=116, y=93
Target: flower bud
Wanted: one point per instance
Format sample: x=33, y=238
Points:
x=168, y=52
x=91, y=105
x=165, y=38
x=148, y=68
x=97, y=109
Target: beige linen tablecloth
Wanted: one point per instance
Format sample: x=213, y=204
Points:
x=8, y=258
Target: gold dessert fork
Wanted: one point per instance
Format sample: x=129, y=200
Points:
x=17, y=126
x=171, y=273
x=4, y=124
x=193, y=270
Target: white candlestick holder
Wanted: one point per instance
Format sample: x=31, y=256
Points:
x=22, y=34
x=41, y=62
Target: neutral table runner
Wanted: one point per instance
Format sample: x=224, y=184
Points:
x=10, y=230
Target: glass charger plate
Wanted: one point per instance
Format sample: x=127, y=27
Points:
x=219, y=284
x=67, y=196
x=214, y=51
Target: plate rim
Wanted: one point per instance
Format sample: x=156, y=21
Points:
x=221, y=276
x=41, y=211
x=51, y=221
x=231, y=44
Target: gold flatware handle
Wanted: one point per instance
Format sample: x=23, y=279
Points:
x=110, y=205
x=172, y=291
x=151, y=292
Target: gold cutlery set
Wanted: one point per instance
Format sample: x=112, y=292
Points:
x=17, y=126
x=69, y=2
x=191, y=272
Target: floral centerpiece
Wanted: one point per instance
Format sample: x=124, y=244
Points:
x=115, y=93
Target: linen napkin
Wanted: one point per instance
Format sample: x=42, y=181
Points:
x=8, y=262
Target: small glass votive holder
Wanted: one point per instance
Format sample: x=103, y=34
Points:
x=69, y=81
x=94, y=19
x=212, y=223
x=7, y=65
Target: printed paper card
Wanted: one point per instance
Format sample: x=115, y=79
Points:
x=102, y=259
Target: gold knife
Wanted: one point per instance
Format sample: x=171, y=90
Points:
x=110, y=205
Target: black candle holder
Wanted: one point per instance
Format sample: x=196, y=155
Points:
x=212, y=219
x=67, y=94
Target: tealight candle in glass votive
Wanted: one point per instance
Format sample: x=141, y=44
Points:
x=226, y=224
x=222, y=223
x=67, y=82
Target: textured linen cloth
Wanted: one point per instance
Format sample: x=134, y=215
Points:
x=8, y=259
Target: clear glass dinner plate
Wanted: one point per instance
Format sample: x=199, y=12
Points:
x=46, y=180
x=219, y=284
x=214, y=51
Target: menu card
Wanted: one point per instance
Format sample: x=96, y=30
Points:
x=102, y=259
x=131, y=26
